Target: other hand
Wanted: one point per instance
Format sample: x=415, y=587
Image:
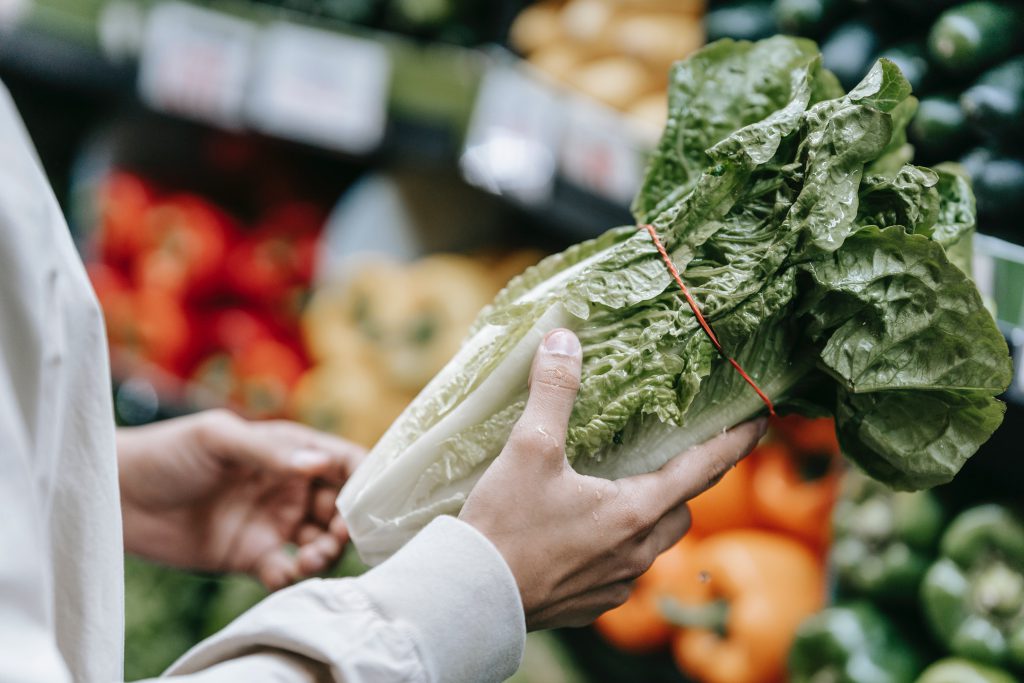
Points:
x=215, y=492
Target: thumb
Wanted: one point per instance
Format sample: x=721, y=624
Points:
x=554, y=383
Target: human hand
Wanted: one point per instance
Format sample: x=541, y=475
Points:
x=575, y=543
x=215, y=492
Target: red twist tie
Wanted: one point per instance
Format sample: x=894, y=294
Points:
x=700, y=317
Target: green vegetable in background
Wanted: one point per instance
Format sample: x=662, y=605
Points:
x=816, y=252
x=973, y=597
x=746, y=20
x=968, y=37
x=235, y=594
x=994, y=105
x=956, y=670
x=849, y=50
x=999, y=185
x=940, y=125
x=884, y=540
x=163, y=611
x=805, y=17
x=853, y=643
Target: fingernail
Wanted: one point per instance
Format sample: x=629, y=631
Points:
x=562, y=343
x=309, y=458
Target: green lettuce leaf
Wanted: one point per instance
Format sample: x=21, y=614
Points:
x=831, y=268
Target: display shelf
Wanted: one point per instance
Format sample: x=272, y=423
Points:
x=35, y=53
x=245, y=66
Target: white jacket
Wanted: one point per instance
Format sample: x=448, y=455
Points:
x=444, y=608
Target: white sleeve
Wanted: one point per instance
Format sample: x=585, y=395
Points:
x=445, y=608
x=29, y=652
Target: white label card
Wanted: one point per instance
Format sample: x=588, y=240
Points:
x=513, y=135
x=195, y=62
x=13, y=11
x=983, y=269
x=322, y=88
x=1018, y=363
x=599, y=155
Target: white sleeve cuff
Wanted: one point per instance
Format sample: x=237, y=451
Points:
x=453, y=588
x=445, y=609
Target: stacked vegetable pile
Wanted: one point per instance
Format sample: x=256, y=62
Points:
x=900, y=564
x=965, y=60
x=187, y=290
x=727, y=600
x=615, y=51
x=830, y=269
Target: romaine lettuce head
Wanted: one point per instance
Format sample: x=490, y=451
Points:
x=832, y=270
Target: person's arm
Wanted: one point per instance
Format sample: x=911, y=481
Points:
x=537, y=545
x=444, y=608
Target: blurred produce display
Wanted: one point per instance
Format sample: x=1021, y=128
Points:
x=616, y=51
x=852, y=643
x=378, y=335
x=965, y=61
x=914, y=586
x=201, y=301
x=727, y=599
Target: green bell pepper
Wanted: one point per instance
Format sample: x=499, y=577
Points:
x=884, y=540
x=973, y=596
x=956, y=670
x=852, y=643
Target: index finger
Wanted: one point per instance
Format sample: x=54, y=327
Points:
x=335, y=459
x=698, y=469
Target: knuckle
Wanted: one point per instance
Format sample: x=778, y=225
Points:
x=638, y=564
x=559, y=375
x=212, y=421
x=686, y=520
x=536, y=441
x=719, y=467
x=619, y=593
x=635, y=519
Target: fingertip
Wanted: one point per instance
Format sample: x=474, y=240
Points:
x=309, y=461
x=752, y=430
x=338, y=528
x=277, y=570
x=311, y=560
x=562, y=342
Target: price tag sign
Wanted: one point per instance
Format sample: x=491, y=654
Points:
x=983, y=267
x=1018, y=364
x=195, y=63
x=12, y=12
x=600, y=154
x=512, y=142
x=322, y=88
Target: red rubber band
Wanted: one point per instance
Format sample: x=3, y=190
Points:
x=700, y=317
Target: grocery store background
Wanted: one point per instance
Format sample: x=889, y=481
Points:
x=295, y=208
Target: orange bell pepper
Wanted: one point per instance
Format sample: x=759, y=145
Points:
x=726, y=505
x=743, y=598
x=637, y=625
x=785, y=499
x=811, y=436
